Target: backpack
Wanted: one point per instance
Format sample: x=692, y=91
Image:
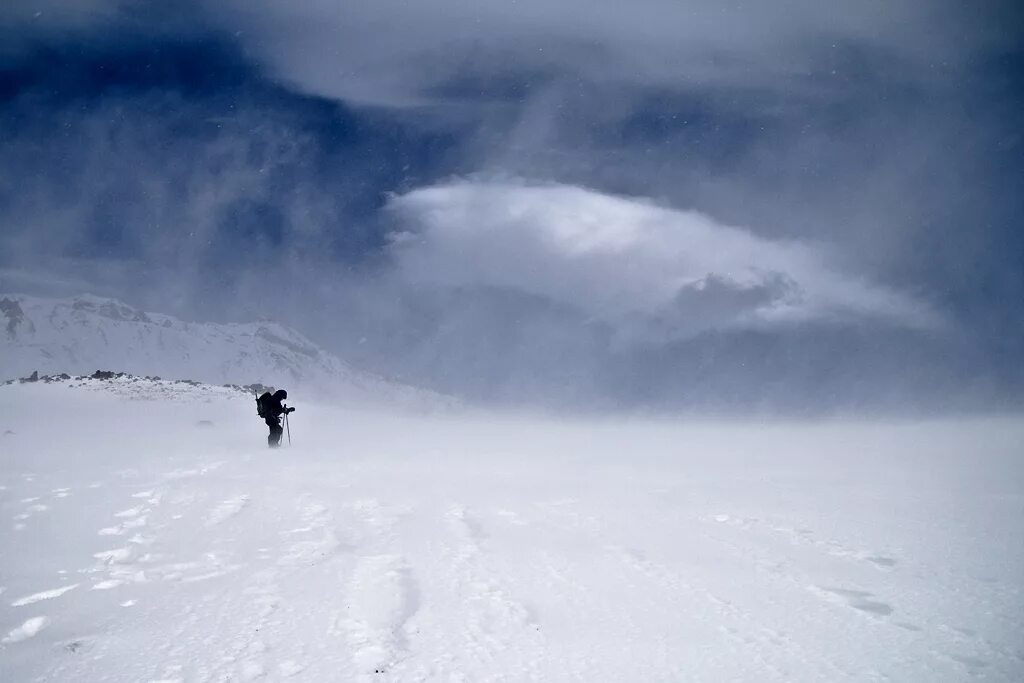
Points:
x=260, y=403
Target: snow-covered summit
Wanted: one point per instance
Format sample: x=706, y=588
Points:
x=82, y=334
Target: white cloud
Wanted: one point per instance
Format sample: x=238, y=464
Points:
x=645, y=269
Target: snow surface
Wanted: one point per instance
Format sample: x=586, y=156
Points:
x=87, y=333
x=140, y=544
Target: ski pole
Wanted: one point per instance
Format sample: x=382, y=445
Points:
x=288, y=426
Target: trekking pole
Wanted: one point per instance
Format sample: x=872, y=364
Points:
x=288, y=426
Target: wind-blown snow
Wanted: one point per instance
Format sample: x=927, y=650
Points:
x=392, y=548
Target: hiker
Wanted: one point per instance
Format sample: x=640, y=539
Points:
x=270, y=408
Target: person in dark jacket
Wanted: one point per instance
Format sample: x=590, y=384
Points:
x=271, y=410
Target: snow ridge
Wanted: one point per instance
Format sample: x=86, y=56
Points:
x=85, y=333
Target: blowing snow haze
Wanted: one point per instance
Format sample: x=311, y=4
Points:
x=795, y=206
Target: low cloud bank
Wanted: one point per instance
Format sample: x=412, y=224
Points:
x=645, y=269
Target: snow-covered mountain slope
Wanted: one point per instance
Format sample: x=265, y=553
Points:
x=135, y=388
x=86, y=333
x=162, y=541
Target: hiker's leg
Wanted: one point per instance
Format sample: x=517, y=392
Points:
x=274, y=438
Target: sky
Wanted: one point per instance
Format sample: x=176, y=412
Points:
x=783, y=207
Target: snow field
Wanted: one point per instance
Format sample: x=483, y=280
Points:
x=393, y=548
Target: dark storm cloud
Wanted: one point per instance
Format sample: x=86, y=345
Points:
x=396, y=53
x=856, y=168
x=170, y=168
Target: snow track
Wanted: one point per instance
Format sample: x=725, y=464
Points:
x=420, y=551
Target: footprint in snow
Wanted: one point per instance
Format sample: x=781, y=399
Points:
x=858, y=600
x=880, y=561
x=383, y=597
x=226, y=510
